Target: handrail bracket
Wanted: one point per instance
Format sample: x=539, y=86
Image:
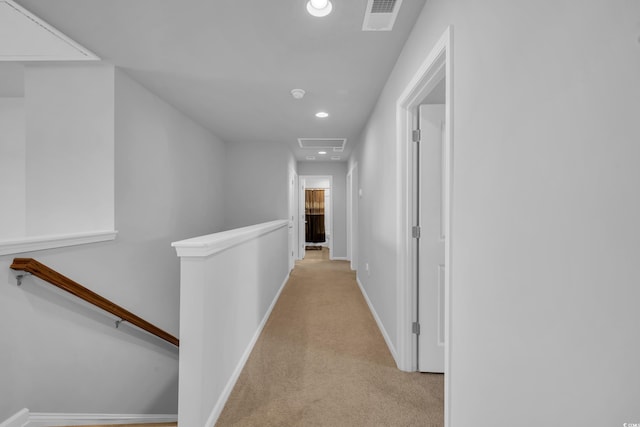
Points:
x=20, y=276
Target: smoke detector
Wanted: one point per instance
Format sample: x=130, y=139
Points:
x=380, y=15
x=297, y=93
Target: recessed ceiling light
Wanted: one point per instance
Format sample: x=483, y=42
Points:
x=319, y=8
x=322, y=152
x=322, y=115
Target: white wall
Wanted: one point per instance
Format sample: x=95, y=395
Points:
x=11, y=80
x=58, y=170
x=545, y=230
x=319, y=183
x=12, y=168
x=338, y=171
x=60, y=357
x=69, y=134
x=256, y=183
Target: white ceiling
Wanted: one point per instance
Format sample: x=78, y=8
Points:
x=23, y=37
x=231, y=64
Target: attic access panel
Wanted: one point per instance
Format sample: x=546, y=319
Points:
x=334, y=144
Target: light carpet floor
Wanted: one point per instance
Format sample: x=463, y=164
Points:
x=322, y=361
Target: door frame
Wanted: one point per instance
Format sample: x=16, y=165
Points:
x=438, y=63
x=293, y=217
x=352, y=216
x=302, y=179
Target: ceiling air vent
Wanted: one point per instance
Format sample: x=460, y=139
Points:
x=380, y=15
x=335, y=144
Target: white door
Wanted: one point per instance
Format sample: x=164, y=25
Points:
x=302, y=220
x=431, y=248
x=355, y=195
x=293, y=213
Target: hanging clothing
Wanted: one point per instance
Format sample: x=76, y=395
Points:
x=314, y=216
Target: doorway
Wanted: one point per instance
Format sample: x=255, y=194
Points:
x=293, y=217
x=352, y=216
x=433, y=79
x=315, y=213
x=431, y=234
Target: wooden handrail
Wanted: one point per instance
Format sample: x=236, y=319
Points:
x=43, y=272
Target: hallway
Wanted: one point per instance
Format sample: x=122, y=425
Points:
x=321, y=360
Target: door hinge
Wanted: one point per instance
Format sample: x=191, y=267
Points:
x=415, y=135
x=415, y=231
x=415, y=328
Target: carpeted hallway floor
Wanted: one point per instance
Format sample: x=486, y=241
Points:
x=322, y=361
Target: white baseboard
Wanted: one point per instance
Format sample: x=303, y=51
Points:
x=58, y=419
x=339, y=258
x=222, y=400
x=385, y=335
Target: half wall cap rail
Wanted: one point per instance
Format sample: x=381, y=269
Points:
x=47, y=274
x=210, y=244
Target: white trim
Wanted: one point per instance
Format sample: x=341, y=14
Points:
x=20, y=419
x=26, y=419
x=385, y=335
x=210, y=244
x=339, y=258
x=301, y=217
x=302, y=196
x=38, y=243
x=352, y=216
x=428, y=74
x=349, y=190
x=224, y=396
x=55, y=419
x=293, y=219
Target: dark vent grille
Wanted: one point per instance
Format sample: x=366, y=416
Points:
x=383, y=6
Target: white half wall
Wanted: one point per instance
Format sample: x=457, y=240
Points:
x=60, y=356
x=224, y=306
x=545, y=208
